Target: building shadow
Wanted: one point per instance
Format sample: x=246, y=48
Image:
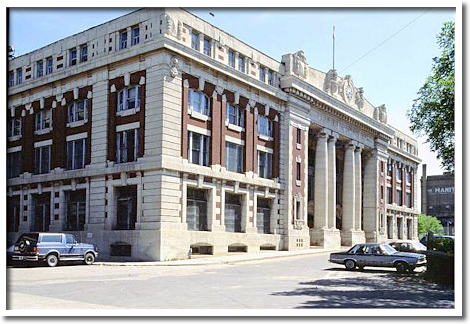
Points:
x=389, y=290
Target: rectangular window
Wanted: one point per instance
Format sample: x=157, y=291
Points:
x=195, y=41
x=44, y=119
x=389, y=195
x=198, y=148
x=263, y=216
x=14, y=127
x=262, y=74
x=14, y=164
x=129, y=98
x=398, y=173
x=196, y=209
x=299, y=136
x=77, y=111
x=265, y=126
x=123, y=40
x=135, y=36
x=408, y=200
x=42, y=159
x=127, y=146
x=234, y=157
x=39, y=69
x=83, y=53
x=389, y=170
x=49, y=65
x=399, y=198
x=207, y=46
x=381, y=192
x=126, y=208
x=298, y=172
x=233, y=213
x=73, y=57
x=241, y=63
x=19, y=76
x=13, y=211
x=265, y=161
x=408, y=177
x=76, y=210
x=11, y=78
x=198, y=102
x=235, y=115
x=231, y=58
x=270, y=77
x=76, y=152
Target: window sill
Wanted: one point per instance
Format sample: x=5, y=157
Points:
x=299, y=146
x=77, y=123
x=199, y=116
x=266, y=138
x=235, y=128
x=14, y=138
x=127, y=112
x=43, y=131
x=297, y=183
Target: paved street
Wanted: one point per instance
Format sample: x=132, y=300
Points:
x=296, y=282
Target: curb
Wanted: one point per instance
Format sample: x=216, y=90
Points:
x=219, y=260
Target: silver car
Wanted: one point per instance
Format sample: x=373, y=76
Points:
x=378, y=255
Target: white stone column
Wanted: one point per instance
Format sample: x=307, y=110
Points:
x=349, y=197
x=332, y=180
x=358, y=187
x=321, y=182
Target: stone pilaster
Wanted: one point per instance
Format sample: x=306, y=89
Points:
x=358, y=187
x=321, y=182
x=349, y=188
x=332, y=181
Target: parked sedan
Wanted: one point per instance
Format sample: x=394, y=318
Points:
x=378, y=255
x=409, y=246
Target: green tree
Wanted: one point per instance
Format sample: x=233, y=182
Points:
x=433, y=111
x=429, y=224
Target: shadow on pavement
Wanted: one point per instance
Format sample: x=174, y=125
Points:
x=389, y=290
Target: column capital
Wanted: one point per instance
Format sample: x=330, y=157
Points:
x=359, y=147
x=351, y=145
x=322, y=135
x=333, y=137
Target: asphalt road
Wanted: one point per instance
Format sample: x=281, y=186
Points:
x=307, y=281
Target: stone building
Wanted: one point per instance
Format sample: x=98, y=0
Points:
x=156, y=134
x=438, y=198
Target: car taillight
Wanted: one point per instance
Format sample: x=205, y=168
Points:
x=36, y=249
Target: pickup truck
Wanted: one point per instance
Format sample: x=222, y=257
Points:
x=52, y=248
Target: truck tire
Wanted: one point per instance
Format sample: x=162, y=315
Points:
x=52, y=260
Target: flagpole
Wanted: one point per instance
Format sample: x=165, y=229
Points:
x=333, y=47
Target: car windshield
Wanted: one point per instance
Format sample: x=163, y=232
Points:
x=418, y=246
x=388, y=249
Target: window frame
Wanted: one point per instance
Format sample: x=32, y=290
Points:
x=19, y=75
x=72, y=161
x=39, y=68
x=231, y=58
x=206, y=109
x=83, y=53
x=298, y=173
x=49, y=65
x=195, y=43
x=270, y=77
x=120, y=156
x=135, y=35
x=14, y=124
x=263, y=122
x=267, y=159
x=40, y=166
x=207, y=46
x=43, y=120
x=123, y=98
x=73, y=57
x=11, y=78
x=239, y=158
x=122, y=39
x=14, y=163
x=241, y=63
x=204, y=148
x=262, y=74
x=239, y=115
x=73, y=111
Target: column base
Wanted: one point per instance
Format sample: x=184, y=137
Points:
x=352, y=237
x=328, y=238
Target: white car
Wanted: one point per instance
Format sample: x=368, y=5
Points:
x=378, y=255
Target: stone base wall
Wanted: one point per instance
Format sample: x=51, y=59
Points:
x=352, y=237
x=327, y=238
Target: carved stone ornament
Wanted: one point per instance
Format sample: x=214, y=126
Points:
x=331, y=82
x=360, y=98
x=300, y=64
x=173, y=66
x=382, y=114
x=169, y=25
x=179, y=32
x=347, y=89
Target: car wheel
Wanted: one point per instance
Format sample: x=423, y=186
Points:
x=350, y=264
x=89, y=258
x=52, y=260
x=401, y=267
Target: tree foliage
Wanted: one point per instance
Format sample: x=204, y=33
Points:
x=429, y=224
x=433, y=111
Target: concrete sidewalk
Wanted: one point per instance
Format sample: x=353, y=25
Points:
x=226, y=259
